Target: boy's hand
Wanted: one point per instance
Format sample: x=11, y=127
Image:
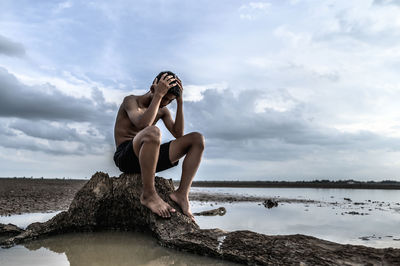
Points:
x=181, y=89
x=164, y=84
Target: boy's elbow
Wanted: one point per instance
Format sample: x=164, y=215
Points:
x=143, y=126
x=178, y=134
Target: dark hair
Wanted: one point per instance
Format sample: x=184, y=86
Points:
x=175, y=89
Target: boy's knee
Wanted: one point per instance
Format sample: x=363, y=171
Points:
x=153, y=134
x=198, y=139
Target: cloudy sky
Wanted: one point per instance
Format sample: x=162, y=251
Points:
x=281, y=90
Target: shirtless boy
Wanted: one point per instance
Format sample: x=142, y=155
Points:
x=138, y=142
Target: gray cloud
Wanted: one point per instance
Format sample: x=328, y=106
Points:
x=386, y=2
x=5, y=131
x=32, y=110
x=234, y=130
x=15, y=139
x=33, y=146
x=19, y=100
x=10, y=48
x=45, y=130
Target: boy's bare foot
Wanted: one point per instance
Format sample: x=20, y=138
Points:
x=156, y=204
x=183, y=202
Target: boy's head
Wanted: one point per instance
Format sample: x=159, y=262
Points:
x=175, y=89
x=172, y=93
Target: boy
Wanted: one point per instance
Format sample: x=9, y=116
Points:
x=138, y=142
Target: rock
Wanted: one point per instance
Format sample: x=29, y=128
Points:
x=219, y=211
x=357, y=213
x=270, y=203
x=113, y=203
x=10, y=230
x=359, y=203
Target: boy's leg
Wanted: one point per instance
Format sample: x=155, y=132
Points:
x=146, y=146
x=192, y=145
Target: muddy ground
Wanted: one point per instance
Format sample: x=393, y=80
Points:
x=22, y=195
x=25, y=195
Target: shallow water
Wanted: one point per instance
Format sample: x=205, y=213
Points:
x=101, y=248
x=25, y=219
x=320, y=194
x=377, y=223
x=381, y=227
x=328, y=219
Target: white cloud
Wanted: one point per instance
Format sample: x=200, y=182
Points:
x=194, y=93
x=278, y=100
x=62, y=6
x=252, y=10
x=294, y=39
x=255, y=5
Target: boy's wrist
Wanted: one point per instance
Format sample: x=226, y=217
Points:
x=158, y=96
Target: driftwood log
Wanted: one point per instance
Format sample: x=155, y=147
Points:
x=221, y=211
x=113, y=203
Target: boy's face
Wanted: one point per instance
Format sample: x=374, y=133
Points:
x=167, y=99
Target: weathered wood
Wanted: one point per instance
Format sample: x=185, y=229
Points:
x=113, y=203
x=221, y=211
x=9, y=230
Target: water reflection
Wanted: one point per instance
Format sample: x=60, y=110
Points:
x=25, y=219
x=320, y=194
x=322, y=221
x=101, y=248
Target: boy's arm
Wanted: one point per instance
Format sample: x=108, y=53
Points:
x=179, y=120
x=176, y=128
x=147, y=118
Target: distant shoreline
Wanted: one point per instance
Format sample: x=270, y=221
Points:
x=297, y=184
x=325, y=184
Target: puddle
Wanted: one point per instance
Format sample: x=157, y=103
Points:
x=323, y=221
x=100, y=248
x=25, y=219
x=333, y=223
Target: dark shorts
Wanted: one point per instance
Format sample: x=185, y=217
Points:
x=127, y=161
